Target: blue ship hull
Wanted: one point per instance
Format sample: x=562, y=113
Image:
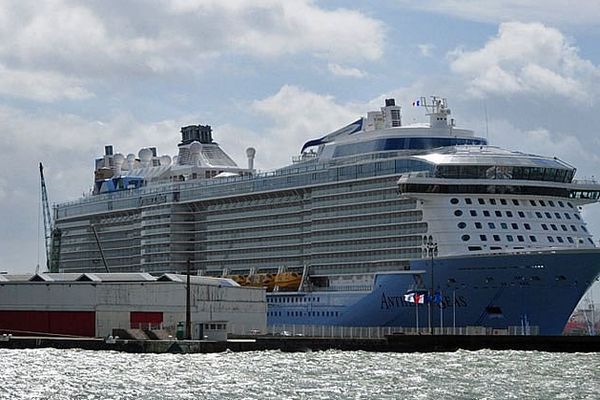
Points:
x=538, y=289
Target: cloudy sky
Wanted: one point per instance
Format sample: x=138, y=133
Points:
x=76, y=75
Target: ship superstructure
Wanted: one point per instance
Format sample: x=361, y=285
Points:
x=369, y=205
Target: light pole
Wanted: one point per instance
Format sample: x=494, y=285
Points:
x=188, y=303
x=431, y=249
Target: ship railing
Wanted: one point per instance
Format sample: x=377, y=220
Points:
x=380, y=332
x=585, y=181
x=168, y=187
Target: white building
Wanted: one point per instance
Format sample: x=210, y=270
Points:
x=95, y=304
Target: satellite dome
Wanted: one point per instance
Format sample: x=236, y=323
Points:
x=145, y=155
x=165, y=160
x=195, y=148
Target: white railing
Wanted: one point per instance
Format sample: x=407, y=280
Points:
x=379, y=332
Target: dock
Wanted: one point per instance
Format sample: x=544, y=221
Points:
x=391, y=343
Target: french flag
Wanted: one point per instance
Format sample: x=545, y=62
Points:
x=417, y=298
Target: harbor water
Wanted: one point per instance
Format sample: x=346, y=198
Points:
x=79, y=374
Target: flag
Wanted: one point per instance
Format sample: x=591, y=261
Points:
x=409, y=297
x=413, y=297
x=419, y=298
x=416, y=103
x=436, y=298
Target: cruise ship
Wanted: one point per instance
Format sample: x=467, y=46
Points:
x=361, y=223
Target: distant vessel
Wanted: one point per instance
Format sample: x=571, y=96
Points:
x=361, y=217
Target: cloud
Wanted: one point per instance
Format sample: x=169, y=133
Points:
x=87, y=42
x=426, y=49
x=275, y=27
x=527, y=58
x=560, y=12
x=339, y=70
x=41, y=85
x=3, y=188
x=292, y=116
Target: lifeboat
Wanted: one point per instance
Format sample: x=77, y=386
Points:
x=262, y=280
x=241, y=280
x=288, y=280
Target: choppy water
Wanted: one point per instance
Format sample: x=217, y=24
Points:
x=78, y=374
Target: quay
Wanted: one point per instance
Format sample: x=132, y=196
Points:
x=391, y=343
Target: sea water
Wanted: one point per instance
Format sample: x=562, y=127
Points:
x=79, y=374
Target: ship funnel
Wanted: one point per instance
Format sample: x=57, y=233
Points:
x=391, y=114
x=118, y=160
x=250, y=153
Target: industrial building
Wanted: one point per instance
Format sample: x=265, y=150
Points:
x=95, y=304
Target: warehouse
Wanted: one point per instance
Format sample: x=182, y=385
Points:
x=95, y=304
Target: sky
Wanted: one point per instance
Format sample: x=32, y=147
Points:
x=77, y=75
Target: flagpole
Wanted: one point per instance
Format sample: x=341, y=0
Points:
x=454, y=311
x=441, y=313
x=417, y=315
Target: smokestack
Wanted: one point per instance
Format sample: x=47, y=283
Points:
x=250, y=153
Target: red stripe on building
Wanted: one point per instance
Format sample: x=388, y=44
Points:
x=145, y=319
x=76, y=323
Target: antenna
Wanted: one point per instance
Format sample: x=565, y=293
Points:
x=487, y=133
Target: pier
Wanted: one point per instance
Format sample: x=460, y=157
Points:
x=390, y=343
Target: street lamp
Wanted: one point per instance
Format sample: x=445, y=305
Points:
x=431, y=250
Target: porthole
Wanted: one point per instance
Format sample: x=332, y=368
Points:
x=465, y=238
x=458, y=213
x=454, y=200
x=462, y=225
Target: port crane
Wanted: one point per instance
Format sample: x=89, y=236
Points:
x=51, y=234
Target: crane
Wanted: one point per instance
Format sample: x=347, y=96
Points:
x=51, y=234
